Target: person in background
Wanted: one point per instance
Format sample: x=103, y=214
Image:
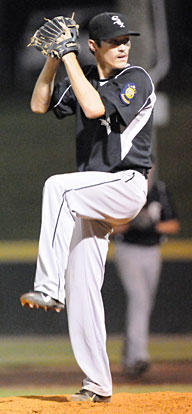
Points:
x=139, y=262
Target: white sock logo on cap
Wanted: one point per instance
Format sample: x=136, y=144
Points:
x=117, y=21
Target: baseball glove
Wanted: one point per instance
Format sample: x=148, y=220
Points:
x=57, y=37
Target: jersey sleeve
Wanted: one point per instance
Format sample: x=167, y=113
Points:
x=63, y=102
x=128, y=94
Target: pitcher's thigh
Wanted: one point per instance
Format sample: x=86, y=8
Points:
x=117, y=198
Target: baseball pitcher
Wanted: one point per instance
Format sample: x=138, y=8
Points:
x=113, y=102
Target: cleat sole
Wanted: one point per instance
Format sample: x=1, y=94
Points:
x=27, y=304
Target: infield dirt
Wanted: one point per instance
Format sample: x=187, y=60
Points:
x=123, y=403
x=167, y=402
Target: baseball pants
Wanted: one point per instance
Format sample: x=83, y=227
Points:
x=139, y=269
x=78, y=213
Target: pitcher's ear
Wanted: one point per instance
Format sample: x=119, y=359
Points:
x=91, y=44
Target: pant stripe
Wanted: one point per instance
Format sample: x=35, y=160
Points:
x=82, y=188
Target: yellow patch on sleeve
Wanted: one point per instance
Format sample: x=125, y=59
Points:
x=128, y=93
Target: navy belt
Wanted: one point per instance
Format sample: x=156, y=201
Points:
x=143, y=171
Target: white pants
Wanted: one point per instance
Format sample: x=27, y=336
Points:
x=139, y=269
x=78, y=213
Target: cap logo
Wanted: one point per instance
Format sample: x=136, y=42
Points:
x=118, y=21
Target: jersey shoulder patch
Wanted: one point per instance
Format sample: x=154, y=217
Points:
x=128, y=93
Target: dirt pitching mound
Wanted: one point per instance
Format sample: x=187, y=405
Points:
x=123, y=403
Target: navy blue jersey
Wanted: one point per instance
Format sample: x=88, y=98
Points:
x=121, y=139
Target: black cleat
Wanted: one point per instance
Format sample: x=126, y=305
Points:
x=86, y=395
x=136, y=370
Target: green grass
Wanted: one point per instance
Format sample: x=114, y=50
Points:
x=175, y=347
x=55, y=351
x=37, y=351
x=58, y=390
x=46, y=352
x=161, y=348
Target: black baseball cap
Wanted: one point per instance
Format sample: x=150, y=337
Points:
x=108, y=26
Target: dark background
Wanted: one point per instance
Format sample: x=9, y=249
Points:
x=15, y=16
x=171, y=313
